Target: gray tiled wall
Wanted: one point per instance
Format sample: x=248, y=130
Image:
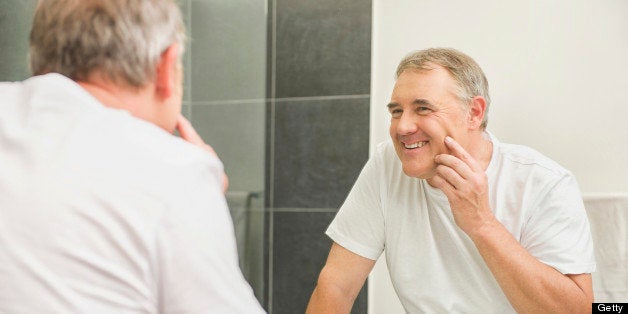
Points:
x=228, y=49
x=236, y=132
x=15, y=23
x=318, y=128
x=323, y=47
x=299, y=240
x=319, y=150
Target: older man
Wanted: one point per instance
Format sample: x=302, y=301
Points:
x=468, y=224
x=102, y=209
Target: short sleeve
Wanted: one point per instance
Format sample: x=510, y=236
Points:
x=558, y=232
x=359, y=224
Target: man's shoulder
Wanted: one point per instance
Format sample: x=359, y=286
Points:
x=525, y=157
x=385, y=150
x=134, y=155
x=384, y=158
x=147, y=147
x=138, y=150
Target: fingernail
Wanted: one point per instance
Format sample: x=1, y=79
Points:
x=448, y=139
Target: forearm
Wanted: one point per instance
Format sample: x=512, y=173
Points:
x=340, y=281
x=329, y=299
x=530, y=285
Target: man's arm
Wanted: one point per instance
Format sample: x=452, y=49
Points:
x=340, y=281
x=529, y=285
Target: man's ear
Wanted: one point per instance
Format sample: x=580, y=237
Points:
x=477, y=110
x=166, y=71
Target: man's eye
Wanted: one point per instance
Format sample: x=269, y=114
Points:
x=423, y=109
x=396, y=112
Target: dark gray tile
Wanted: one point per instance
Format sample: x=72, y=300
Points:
x=360, y=306
x=184, y=5
x=268, y=178
x=249, y=217
x=15, y=23
x=300, y=249
x=186, y=109
x=236, y=132
x=267, y=242
x=320, y=148
x=228, y=50
x=323, y=47
x=187, y=90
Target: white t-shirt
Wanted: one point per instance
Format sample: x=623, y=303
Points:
x=433, y=264
x=101, y=212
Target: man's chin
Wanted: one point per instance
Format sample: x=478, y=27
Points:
x=418, y=173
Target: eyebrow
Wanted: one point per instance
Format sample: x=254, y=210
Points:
x=416, y=102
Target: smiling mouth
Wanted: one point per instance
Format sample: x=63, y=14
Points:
x=414, y=145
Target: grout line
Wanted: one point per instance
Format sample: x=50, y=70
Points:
x=271, y=201
x=331, y=97
x=304, y=210
x=231, y=102
x=285, y=99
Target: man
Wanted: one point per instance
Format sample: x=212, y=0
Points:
x=102, y=209
x=468, y=224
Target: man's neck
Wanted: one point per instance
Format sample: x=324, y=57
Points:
x=134, y=100
x=107, y=95
x=482, y=149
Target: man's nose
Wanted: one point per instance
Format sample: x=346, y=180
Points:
x=407, y=125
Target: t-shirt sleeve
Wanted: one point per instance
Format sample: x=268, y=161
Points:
x=196, y=260
x=558, y=232
x=359, y=224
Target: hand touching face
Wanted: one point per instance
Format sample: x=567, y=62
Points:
x=463, y=180
x=189, y=134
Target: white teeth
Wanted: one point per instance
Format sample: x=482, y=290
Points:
x=414, y=145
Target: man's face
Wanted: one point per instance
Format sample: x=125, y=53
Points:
x=424, y=109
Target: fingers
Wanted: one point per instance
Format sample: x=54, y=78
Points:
x=449, y=165
x=464, y=183
x=188, y=132
x=450, y=175
x=458, y=151
x=439, y=182
x=458, y=168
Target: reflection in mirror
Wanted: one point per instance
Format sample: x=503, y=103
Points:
x=225, y=101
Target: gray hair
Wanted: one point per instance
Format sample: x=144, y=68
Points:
x=122, y=38
x=464, y=70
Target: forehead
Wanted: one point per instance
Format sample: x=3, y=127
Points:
x=432, y=84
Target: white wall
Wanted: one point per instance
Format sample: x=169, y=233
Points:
x=558, y=74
